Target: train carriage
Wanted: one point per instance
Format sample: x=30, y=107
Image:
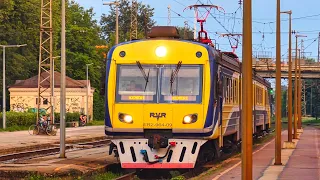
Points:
x=171, y=102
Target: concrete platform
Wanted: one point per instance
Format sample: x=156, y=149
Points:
x=77, y=163
x=302, y=162
x=21, y=140
x=289, y=145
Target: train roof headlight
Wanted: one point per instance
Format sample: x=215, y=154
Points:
x=161, y=51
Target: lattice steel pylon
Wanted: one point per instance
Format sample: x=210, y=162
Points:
x=319, y=47
x=304, y=103
x=45, y=73
x=134, y=20
x=303, y=84
x=169, y=15
x=185, y=31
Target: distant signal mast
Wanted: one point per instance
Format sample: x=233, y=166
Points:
x=201, y=17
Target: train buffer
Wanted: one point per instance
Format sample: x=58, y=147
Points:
x=303, y=162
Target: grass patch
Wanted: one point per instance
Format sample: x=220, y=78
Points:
x=106, y=176
x=102, y=176
x=96, y=123
x=311, y=122
x=14, y=128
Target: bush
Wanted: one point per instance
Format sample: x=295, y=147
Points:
x=25, y=119
x=69, y=117
x=19, y=118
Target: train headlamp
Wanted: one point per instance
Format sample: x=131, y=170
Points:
x=191, y=118
x=125, y=118
x=161, y=51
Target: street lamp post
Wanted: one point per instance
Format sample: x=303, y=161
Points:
x=290, y=82
x=63, y=82
x=296, y=90
x=52, y=92
x=87, y=90
x=116, y=3
x=4, y=81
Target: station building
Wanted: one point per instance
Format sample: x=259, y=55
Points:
x=24, y=95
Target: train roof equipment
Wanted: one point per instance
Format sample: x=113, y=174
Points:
x=164, y=32
x=201, y=18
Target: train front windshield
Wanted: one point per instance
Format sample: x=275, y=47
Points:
x=159, y=83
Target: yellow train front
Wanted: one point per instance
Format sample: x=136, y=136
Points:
x=164, y=101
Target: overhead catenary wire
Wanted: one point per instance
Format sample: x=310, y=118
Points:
x=266, y=30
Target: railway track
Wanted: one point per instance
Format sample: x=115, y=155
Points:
x=186, y=174
x=54, y=150
x=211, y=164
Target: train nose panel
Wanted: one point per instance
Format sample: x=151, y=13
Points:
x=157, y=117
x=135, y=153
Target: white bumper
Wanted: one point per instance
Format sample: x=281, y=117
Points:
x=183, y=155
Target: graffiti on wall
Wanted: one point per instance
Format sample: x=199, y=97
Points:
x=20, y=103
x=73, y=104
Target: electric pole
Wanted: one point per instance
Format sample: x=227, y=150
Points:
x=246, y=125
x=289, y=104
x=185, y=32
x=146, y=28
x=4, y=109
x=45, y=69
x=63, y=82
x=116, y=3
x=169, y=15
x=319, y=48
x=278, y=89
x=134, y=20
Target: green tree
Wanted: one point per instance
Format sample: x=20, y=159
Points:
x=145, y=13
x=19, y=24
x=185, y=33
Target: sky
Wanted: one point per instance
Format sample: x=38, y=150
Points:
x=305, y=20
x=305, y=14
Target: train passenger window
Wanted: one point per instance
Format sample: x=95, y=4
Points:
x=259, y=95
x=183, y=86
x=135, y=86
x=235, y=91
x=230, y=91
x=227, y=90
x=224, y=87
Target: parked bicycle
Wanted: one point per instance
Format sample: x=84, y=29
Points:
x=43, y=127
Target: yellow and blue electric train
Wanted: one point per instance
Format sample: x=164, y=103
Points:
x=171, y=102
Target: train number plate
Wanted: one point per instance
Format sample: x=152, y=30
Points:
x=157, y=125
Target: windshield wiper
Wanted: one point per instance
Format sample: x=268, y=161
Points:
x=146, y=77
x=173, y=75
